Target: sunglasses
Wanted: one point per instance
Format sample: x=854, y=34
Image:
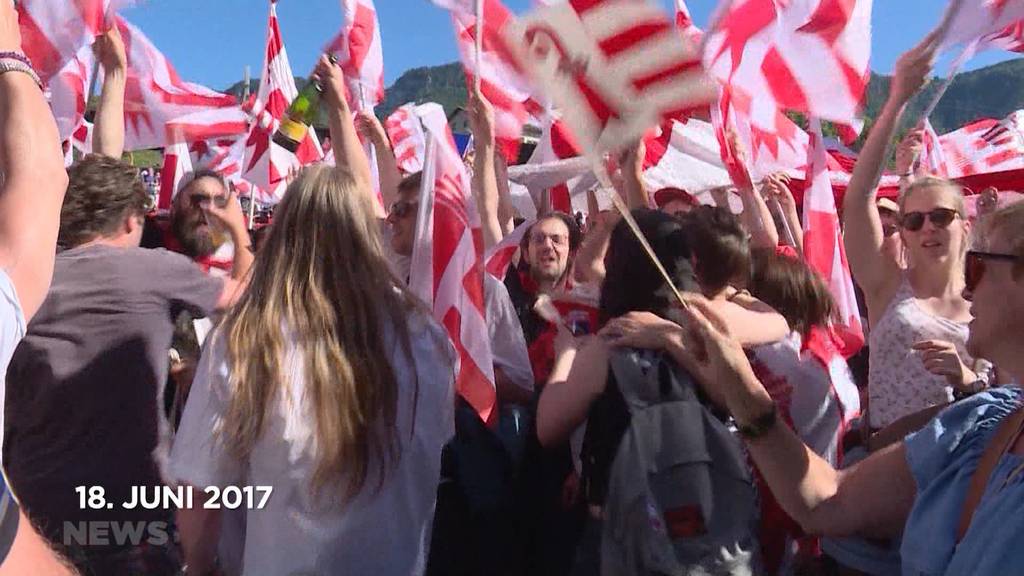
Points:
x=976, y=263
x=402, y=208
x=940, y=217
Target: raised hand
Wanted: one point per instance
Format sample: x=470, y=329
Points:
x=913, y=68
x=110, y=50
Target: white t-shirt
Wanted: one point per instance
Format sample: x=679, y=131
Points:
x=508, y=345
x=385, y=532
x=12, y=330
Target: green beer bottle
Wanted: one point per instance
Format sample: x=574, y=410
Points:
x=300, y=115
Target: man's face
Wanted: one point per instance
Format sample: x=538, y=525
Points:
x=189, y=222
x=402, y=219
x=547, y=250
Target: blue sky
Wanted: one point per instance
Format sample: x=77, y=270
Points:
x=211, y=41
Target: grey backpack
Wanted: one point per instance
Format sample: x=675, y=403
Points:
x=681, y=499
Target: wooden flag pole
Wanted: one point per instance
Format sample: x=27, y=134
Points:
x=602, y=177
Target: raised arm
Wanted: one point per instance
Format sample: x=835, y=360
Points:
x=872, y=498
x=230, y=218
x=485, y=181
x=776, y=189
x=862, y=226
x=34, y=179
x=506, y=212
x=631, y=165
x=756, y=216
x=348, y=151
x=108, y=133
x=589, y=263
x=370, y=127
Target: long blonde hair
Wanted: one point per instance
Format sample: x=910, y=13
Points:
x=322, y=279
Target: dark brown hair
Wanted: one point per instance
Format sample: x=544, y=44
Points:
x=720, y=245
x=102, y=192
x=790, y=287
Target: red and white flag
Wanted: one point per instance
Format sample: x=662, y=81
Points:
x=177, y=166
x=360, y=54
x=162, y=109
x=502, y=79
x=407, y=139
x=268, y=165
x=985, y=146
x=966, y=21
x=499, y=257
x=823, y=244
x=447, y=270
x=684, y=22
x=932, y=157
x=616, y=68
x=1010, y=38
x=52, y=32
x=558, y=143
x=67, y=92
x=810, y=56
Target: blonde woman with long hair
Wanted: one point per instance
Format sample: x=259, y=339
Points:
x=329, y=384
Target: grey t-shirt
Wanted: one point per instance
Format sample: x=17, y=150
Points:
x=85, y=386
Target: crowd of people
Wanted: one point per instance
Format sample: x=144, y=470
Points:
x=709, y=427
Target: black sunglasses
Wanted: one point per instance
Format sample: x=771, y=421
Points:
x=975, y=264
x=940, y=217
x=200, y=199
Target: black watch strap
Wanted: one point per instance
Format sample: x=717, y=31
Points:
x=760, y=425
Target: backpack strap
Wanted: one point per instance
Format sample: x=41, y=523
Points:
x=1001, y=443
x=641, y=387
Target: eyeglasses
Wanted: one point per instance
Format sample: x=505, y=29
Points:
x=200, y=199
x=940, y=217
x=975, y=264
x=402, y=208
x=538, y=238
x=889, y=229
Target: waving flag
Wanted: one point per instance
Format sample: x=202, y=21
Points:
x=447, y=263
x=359, y=52
x=267, y=165
x=1010, y=38
x=823, y=244
x=502, y=79
x=67, y=92
x=985, y=146
x=684, y=22
x=407, y=139
x=616, y=68
x=932, y=157
x=177, y=166
x=968, y=21
x=53, y=32
x=161, y=108
x=810, y=56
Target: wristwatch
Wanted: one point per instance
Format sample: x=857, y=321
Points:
x=760, y=425
x=973, y=388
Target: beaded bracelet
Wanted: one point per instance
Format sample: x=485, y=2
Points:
x=15, y=65
x=16, y=56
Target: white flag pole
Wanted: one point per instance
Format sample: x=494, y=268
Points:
x=479, y=43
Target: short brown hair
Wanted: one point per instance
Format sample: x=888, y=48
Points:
x=720, y=245
x=102, y=192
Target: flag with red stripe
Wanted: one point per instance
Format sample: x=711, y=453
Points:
x=52, y=32
x=360, y=54
x=616, y=68
x=268, y=165
x=932, y=157
x=810, y=56
x=823, y=244
x=177, y=166
x=985, y=146
x=981, y=20
x=447, y=269
x=407, y=139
